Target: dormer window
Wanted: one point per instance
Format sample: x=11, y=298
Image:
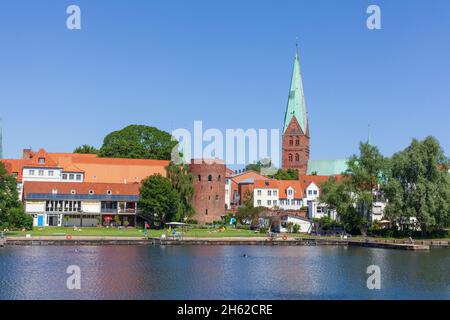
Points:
x=54, y=191
x=41, y=160
x=91, y=192
x=73, y=191
x=109, y=192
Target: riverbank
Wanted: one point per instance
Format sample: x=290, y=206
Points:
x=86, y=241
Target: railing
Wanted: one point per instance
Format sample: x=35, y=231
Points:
x=133, y=211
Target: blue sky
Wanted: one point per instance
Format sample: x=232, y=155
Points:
x=227, y=63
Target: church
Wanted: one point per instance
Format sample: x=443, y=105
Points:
x=296, y=134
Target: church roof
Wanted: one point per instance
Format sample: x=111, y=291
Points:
x=296, y=102
x=327, y=167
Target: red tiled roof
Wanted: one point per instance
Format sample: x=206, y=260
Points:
x=266, y=184
x=80, y=188
x=14, y=166
x=294, y=184
x=41, y=154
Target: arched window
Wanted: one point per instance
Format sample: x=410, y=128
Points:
x=210, y=178
x=219, y=178
x=291, y=141
x=290, y=157
x=199, y=178
x=297, y=157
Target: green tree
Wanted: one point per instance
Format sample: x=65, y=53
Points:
x=183, y=181
x=159, y=200
x=417, y=186
x=289, y=174
x=353, y=198
x=139, y=142
x=366, y=174
x=86, y=149
x=12, y=214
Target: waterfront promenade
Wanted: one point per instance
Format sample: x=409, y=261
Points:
x=288, y=241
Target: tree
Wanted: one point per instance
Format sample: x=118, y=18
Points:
x=12, y=214
x=182, y=181
x=289, y=174
x=139, y=142
x=417, y=186
x=338, y=197
x=159, y=200
x=353, y=198
x=86, y=149
x=366, y=175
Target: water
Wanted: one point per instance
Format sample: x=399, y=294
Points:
x=221, y=272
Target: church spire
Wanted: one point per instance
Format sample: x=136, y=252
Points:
x=296, y=103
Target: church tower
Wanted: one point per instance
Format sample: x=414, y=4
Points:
x=295, y=145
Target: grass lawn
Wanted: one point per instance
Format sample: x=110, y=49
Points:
x=131, y=232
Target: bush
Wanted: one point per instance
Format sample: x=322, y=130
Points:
x=263, y=230
x=296, y=228
x=192, y=221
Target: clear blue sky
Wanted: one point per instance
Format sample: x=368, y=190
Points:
x=228, y=63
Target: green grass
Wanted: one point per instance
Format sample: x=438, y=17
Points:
x=131, y=232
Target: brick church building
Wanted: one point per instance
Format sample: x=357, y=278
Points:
x=295, y=143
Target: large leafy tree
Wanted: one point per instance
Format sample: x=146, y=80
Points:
x=418, y=187
x=138, y=141
x=12, y=214
x=366, y=174
x=183, y=181
x=159, y=200
x=353, y=197
x=86, y=149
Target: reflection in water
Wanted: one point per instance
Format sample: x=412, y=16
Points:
x=221, y=272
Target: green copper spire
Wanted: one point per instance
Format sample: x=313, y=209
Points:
x=369, y=136
x=296, y=103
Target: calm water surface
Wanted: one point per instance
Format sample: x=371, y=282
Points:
x=221, y=272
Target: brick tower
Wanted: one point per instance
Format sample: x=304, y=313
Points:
x=209, y=189
x=295, y=145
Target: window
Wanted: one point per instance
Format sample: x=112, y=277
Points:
x=275, y=192
x=41, y=172
x=259, y=192
x=291, y=141
x=297, y=142
x=315, y=192
x=64, y=176
x=269, y=202
x=309, y=192
x=290, y=157
x=41, y=160
x=31, y=172
x=269, y=192
x=297, y=157
x=50, y=173
x=91, y=192
x=54, y=191
x=219, y=178
x=206, y=211
x=259, y=202
x=199, y=178
x=217, y=197
x=71, y=176
x=274, y=202
x=210, y=178
x=290, y=192
x=78, y=177
x=109, y=192
x=73, y=191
